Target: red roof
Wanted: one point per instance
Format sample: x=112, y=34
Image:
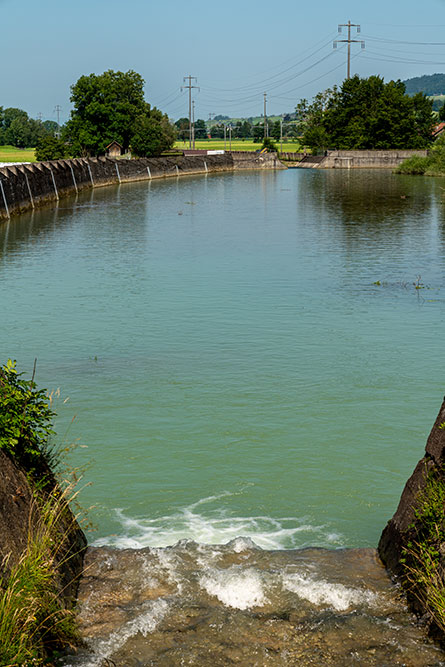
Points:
x=438, y=129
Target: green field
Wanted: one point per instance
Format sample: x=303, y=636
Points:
x=12, y=154
x=237, y=145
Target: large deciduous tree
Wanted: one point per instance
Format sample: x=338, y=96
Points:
x=111, y=107
x=153, y=134
x=366, y=114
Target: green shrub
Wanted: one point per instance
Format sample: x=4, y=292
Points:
x=25, y=420
x=414, y=165
x=269, y=145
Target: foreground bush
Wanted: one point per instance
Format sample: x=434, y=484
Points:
x=415, y=165
x=433, y=165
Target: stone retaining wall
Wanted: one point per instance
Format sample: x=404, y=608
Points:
x=26, y=186
x=372, y=159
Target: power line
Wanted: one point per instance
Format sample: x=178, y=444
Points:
x=258, y=85
x=399, y=41
x=261, y=82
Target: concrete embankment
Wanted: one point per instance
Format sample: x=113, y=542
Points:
x=372, y=159
x=26, y=186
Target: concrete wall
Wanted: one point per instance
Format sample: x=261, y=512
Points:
x=26, y=186
x=374, y=159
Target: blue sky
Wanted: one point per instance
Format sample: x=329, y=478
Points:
x=236, y=49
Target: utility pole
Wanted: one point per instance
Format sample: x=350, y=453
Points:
x=225, y=136
x=349, y=41
x=58, y=109
x=265, y=116
x=190, y=78
x=281, y=135
x=39, y=116
x=193, y=124
x=230, y=137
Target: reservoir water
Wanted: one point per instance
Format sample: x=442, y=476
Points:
x=254, y=355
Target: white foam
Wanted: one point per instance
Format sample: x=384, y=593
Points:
x=144, y=623
x=321, y=592
x=241, y=589
x=207, y=524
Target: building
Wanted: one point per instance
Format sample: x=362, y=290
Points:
x=113, y=150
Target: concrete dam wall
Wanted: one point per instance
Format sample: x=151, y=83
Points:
x=27, y=186
x=372, y=159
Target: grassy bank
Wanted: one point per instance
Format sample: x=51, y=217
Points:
x=12, y=154
x=236, y=145
x=433, y=165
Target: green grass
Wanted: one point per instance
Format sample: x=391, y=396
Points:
x=422, y=559
x=12, y=154
x=33, y=619
x=237, y=145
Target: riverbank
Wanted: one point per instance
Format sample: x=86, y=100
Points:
x=27, y=186
x=41, y=543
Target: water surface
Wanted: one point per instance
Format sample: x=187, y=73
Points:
x=231, y=364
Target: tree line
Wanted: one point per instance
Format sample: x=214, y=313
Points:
x=366, y=114
x=19, y=130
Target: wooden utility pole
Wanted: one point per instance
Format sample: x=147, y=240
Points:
x=349, y=41
x=190, y=78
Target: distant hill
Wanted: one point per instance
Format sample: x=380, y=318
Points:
x=430, y=84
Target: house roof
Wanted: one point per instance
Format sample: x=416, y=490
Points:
x=438, y=129
x=113, y=143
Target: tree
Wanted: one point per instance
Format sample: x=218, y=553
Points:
x=217, y=131
x=110, y=107
x=50, y=148
x=50, y=126
x=153, y=134
x=183, y=127
x=258, y=132
x=275, y=130
x=200, y=129
x=366, y=114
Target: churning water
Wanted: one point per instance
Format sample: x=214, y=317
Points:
x=252, y=354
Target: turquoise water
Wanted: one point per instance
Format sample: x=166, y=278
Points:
x=230, y=363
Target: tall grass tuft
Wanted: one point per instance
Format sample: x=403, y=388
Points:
x=34, y=621
x=423, y=557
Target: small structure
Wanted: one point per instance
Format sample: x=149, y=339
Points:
x=114, y=149
x=438, y=130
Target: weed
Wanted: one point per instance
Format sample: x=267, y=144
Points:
x=422, y=557
x=34, y=620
